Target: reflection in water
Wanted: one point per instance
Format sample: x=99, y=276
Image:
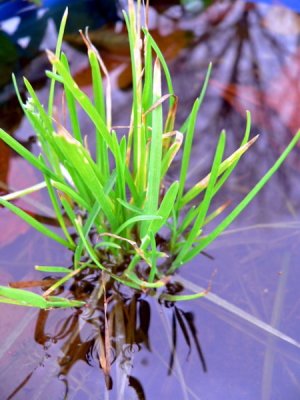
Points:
x=110, y=330
x=254, y=80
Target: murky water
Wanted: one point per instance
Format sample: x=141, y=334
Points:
x=247, y=328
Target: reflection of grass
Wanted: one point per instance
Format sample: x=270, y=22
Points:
x=240, y=313
x=290, y=225
x=269, y=359
x=126, y=222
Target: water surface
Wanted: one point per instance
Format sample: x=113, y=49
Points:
x=248, y=328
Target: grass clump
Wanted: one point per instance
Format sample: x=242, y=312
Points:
x=118, y=202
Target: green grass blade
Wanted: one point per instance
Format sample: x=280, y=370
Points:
x=97, y=83
x=57, y=53
x=29, y=299
x=57, y=210
x=153, y=270
x=234, y=159
x=138, y=218
x=72, y=112
x=35, y=224
x=64, y=188
x=184, y=297
x=23, y=152
x=45, y=119
x=54, y=269
x=187, y=220
x=92, y=217
x=65, y=279
x=136, y=196
x=83, y=243
x=153, y=188
x=165, y=208
x=148, y=82
x=101, y=147
x=88, y=247
x=36, y=122
x=204, y=206
x=106, y=245
x=81, y=98
x=225, y=170
x=120, y=189
x=171, y=117
x=138, y=135
x=54, y=76
x=188, y=142
x=171, y=153
x=163, y=64
x=82, y=163
x=240, y=207
x=216, y=213
x=86, y=229
x=184, y=126
x=60, y=302
x=21, y=297
x=130, y=207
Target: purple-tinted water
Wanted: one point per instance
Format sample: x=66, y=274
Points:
x=248, y=326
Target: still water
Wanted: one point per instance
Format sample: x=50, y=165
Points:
x=245, y=333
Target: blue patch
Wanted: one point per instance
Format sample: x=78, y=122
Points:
x=291, y=4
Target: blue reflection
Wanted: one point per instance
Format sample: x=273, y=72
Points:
x=87, y=9
x=23, y=25
x=292, y=4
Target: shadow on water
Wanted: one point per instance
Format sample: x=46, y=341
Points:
x=126, y=345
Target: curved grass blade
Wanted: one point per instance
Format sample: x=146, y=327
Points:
x=171, y=153
x=184, y=126
x=82, y=163
x=138, y=218
x=204, y=206
x=35, y=224
x=240, y=207
x=57, y=210
x=23, y=152
x=165, y=208
x=76, y=197
x=81, y=97
x=225, y=170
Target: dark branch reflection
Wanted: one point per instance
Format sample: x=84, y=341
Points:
x=110, y=330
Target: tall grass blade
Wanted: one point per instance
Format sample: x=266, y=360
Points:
x=154, y=169
x=57, y=53
x=204, y=206
x=72, y=111
x=240, y=207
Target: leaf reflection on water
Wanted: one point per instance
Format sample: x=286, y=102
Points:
x=108, y=332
